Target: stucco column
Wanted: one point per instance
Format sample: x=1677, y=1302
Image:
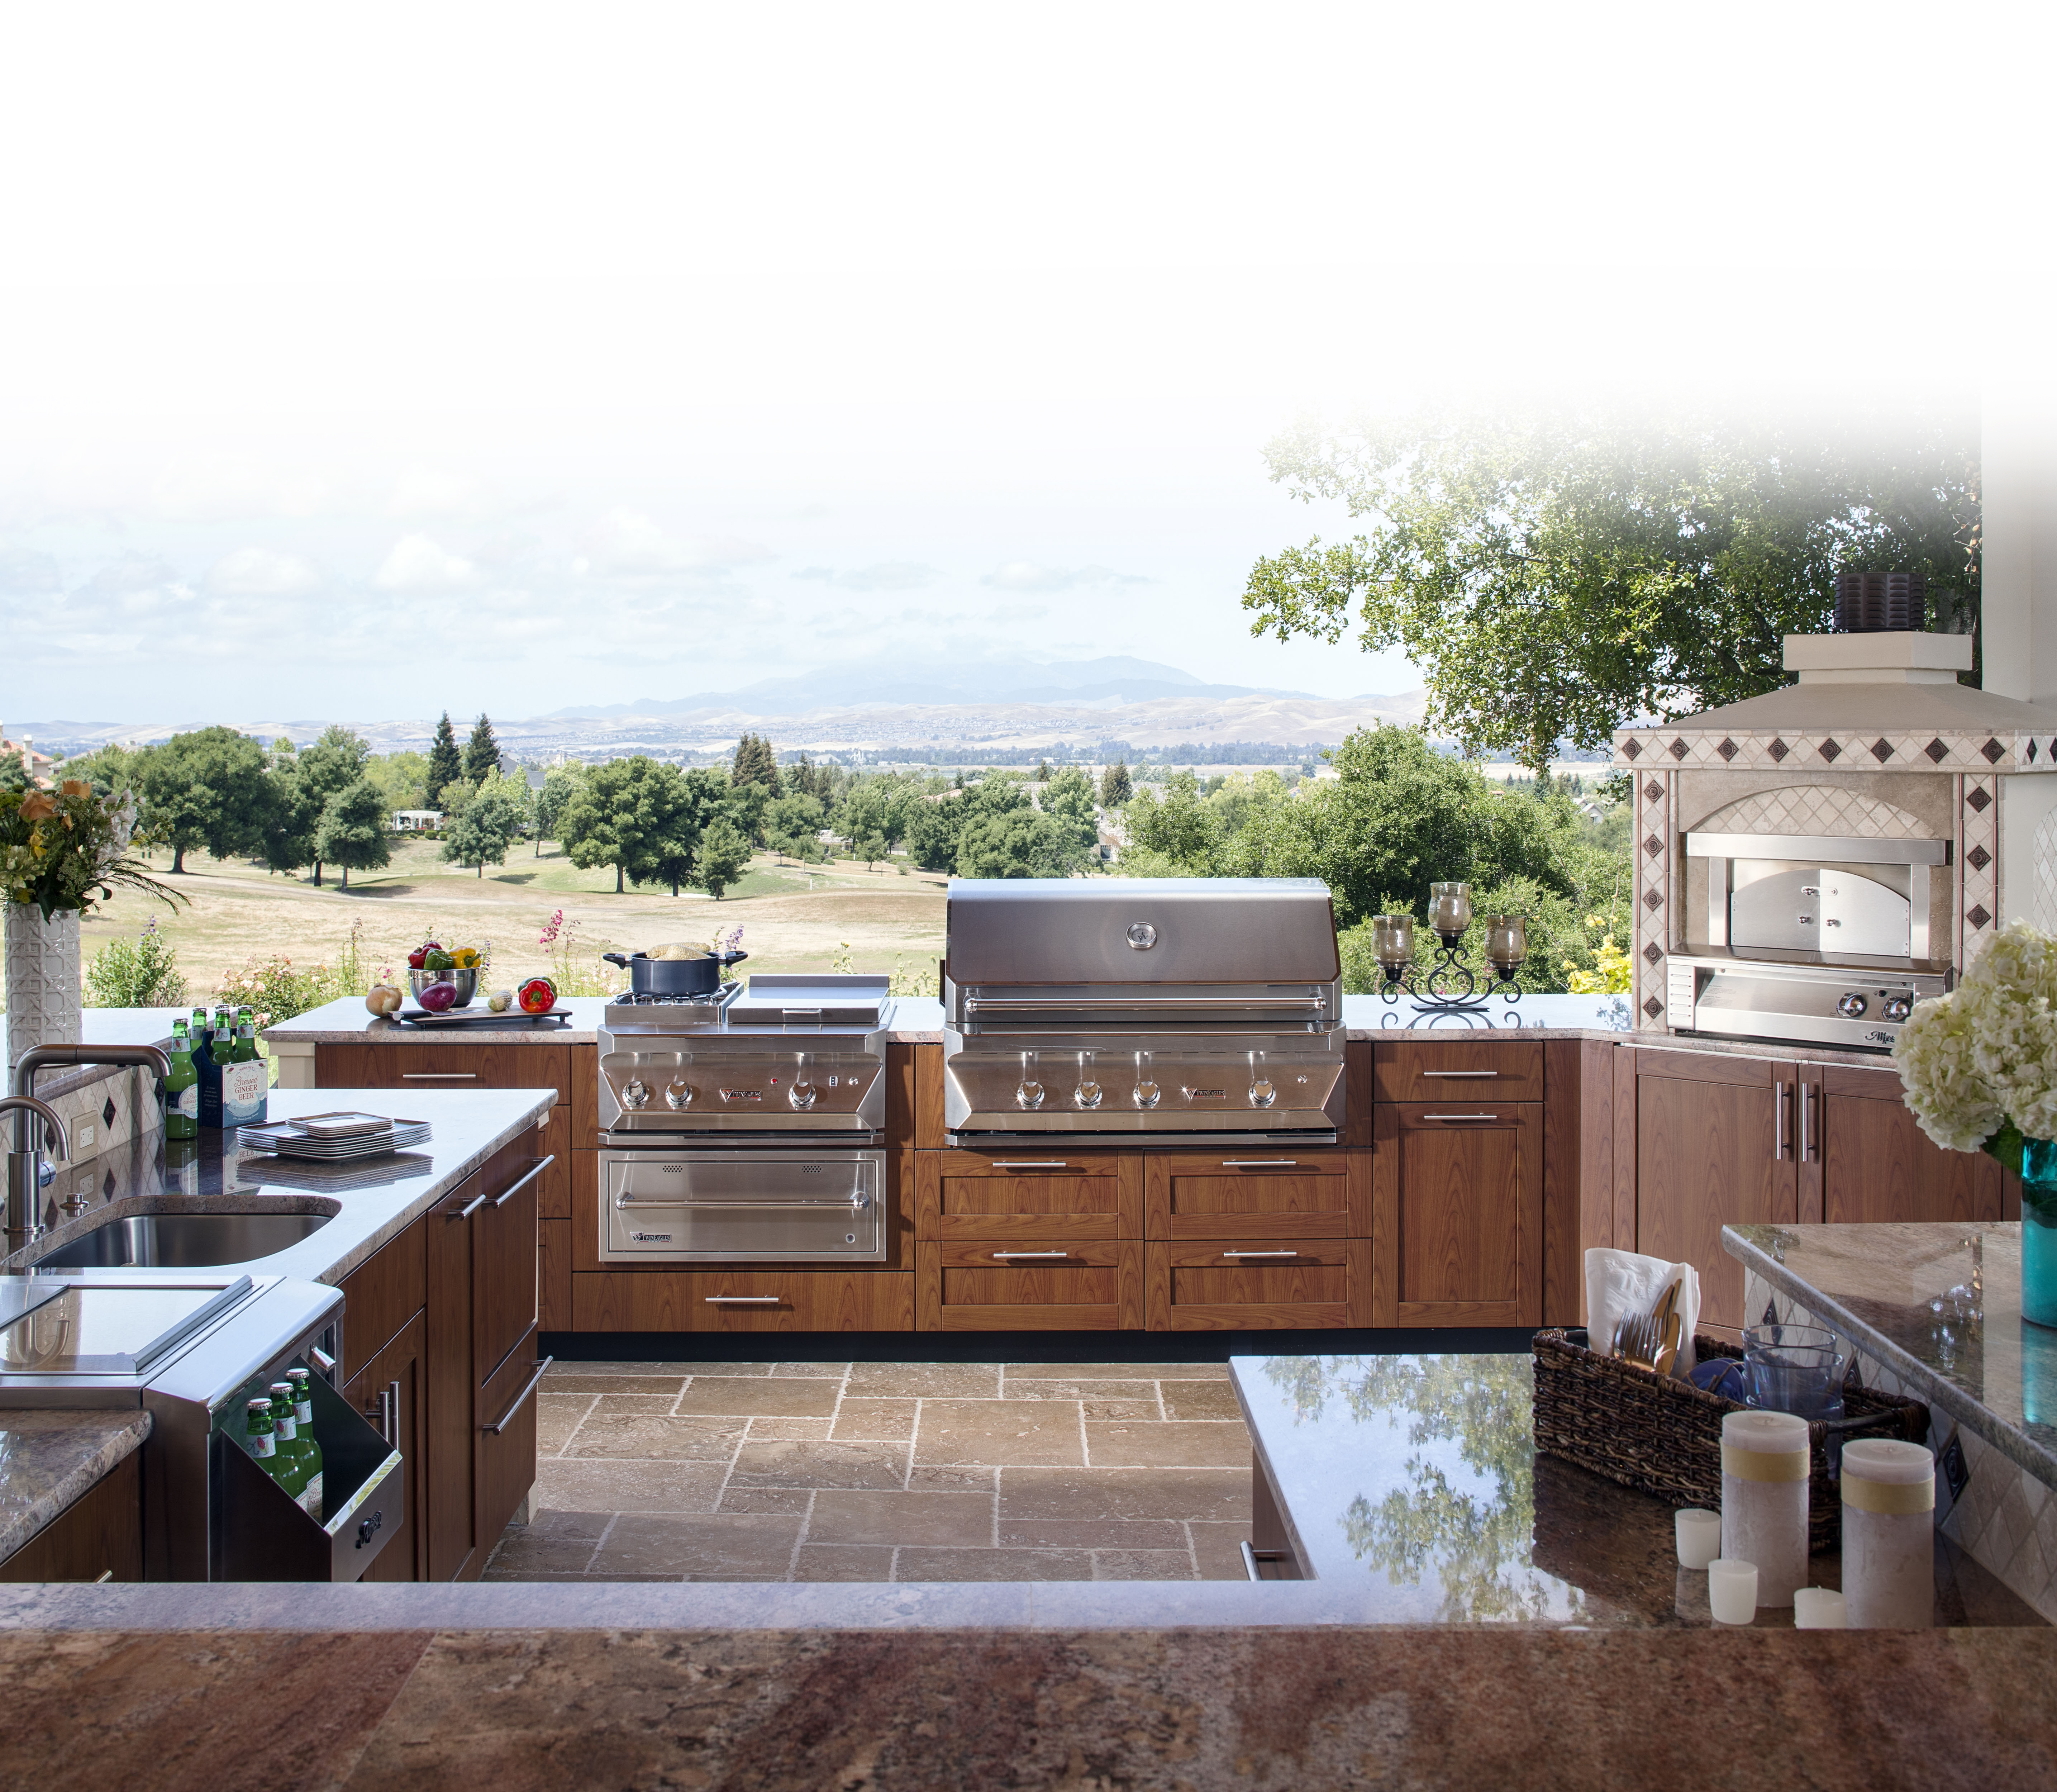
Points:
x=2019, y=488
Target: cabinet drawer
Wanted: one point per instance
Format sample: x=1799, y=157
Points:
x=744, y=1300
x=504, y=1244
x=468, y=1064
x=506, y=1463
x=1459, y=1071
x=1212, y=1194
x=1032, y=1195
x=380, y=1296
x=1007, y=1285
x=1254, y=1283
x=343, y=1065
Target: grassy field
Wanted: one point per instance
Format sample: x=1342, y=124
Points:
x=794, y=917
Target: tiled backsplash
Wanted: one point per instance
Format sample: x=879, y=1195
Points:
x=104, y=1110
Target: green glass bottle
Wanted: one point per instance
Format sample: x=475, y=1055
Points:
x=209, y=1051
x=287, y=1468
x=261, y=1436
x=181, y=1088
x=310, y=1449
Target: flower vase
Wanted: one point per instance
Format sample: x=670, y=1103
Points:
x=2039, y=1231
x=42, y=979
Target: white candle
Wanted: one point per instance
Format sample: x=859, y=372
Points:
x=1817, y=1608
x=1888, y=1534
x=1732, y=1591
x=1763, y=1500
x=1699, y=1534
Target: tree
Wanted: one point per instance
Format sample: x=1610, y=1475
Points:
x=446, y=764
x=353, y=830
x=676, y=808
x=561, y=783
x=1015, y=843
x=402, y=779
x=492, y=822
x=792, y=825
x=756, y=763
x=1067, y=799
x=723, y=852
x=1042, y=772
x=208, y=788
x=640, y=816
x=335, y=763
x=1558, y=577
x=1115, y=786
x=482, y=752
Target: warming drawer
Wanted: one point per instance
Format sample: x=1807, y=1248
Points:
x=742, y=1207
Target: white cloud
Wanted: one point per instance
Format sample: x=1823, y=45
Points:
x=425, y=492
x=629, y=545
x=260, y=572
x=886, y=575
x=418, y=564
x=1024, y=575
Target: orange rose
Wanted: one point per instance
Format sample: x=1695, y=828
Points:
x=76, y=787
x=37, y=806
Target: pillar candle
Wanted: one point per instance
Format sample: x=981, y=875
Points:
x=1763, y=1500
x=1888, y=1534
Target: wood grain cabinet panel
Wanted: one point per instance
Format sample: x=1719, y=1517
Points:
x=553, y=1138
x=744, y=1300
x=504, y=1259
x=554, y=1275
x=100, y=1534
x=345, y=1065
x=505, y=1441
x=1212, y=1194
x=1457, y=1238
x=388, y=1391
x=1458, y=1069
x=1878, y=1167
x=1003, y=1285
x=451, y=1549
x=1027, y=1194
x=380, y=1296
x=1253, y=1283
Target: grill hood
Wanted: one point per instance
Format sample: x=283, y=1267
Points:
x=1039, y=931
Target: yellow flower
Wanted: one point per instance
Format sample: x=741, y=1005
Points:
x=76, y=787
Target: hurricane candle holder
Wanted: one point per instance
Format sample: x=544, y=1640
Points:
x=1448, y=985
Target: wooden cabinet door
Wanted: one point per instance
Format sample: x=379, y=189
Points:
x=1027, y=1194
x=387, y=1391
x=1877, y=1165
x=1004, y=1285
x=380, y=1296
x=503, y=1246
x=450, y=1392
x=743, y=1300
x=1253, y=1284
x=1215, y=1194
x=1716, y=1144
x=1458, y=1234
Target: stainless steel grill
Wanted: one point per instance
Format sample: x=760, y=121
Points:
x=1180, y=1009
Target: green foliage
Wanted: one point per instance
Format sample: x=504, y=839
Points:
x=1067, y=800
x=643, y=817
x=756, y=763
x=402, y=779
x=723, y=852
x=446, y=763
x=482, y=752
x=793, y=824
x=277, y=989
x=352, y=831
x=1557, y=576
x=68, y=848
x=208, y=788
x=1116, y=786
x=142, y=973
x=561, y=784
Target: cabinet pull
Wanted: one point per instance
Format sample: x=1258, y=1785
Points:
x=1427, y=1073
x=385, y=1416
x=1461, y=1117
x=472, y=1206
x=1778, y=1134
x=1260, y=1163
x=1260, y=1253
x=1806, y=1130
x=439, y=1076
x=1031, y=1164
x=1006, y=1253
x=743, y=1300
x=515, y=1188
x=521, y=1399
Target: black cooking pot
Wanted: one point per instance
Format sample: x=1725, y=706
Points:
x=673, y=977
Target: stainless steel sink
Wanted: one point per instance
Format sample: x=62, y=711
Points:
x=184, y=1240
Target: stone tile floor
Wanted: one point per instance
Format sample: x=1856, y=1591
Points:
x=877, y=1471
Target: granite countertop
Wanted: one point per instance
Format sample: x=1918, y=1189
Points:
x=49, y=1459
x=371, y=1201
x=1412, y=1485
x=1940, y=1305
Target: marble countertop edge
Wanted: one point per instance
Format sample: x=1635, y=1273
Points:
x=54, y=1457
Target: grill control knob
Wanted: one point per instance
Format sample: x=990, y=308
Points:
x=1029, y=1094
x=678, y=1097
x=803, y=1095
x=1261, y=1093
x=635, y=1093
x=1852, y=1006
x=1897, y=1008
x=1088, y=1094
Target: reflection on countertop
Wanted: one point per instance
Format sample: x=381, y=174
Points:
x=1413, y=1483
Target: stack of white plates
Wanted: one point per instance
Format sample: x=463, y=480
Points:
x=335, y=1138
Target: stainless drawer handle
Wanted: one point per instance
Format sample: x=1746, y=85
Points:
x=521, y=1399
x=1461, y=1117
x=1006, y=1253
x=102, y=1579
x=1260, y=1163
x=1034, y=1163
x=743, y=1300
x=1260, y=1253
x=471, y=1206
x=749, y=1204
x=1427, y=1073
x=516, y=1187
x=439, y=1076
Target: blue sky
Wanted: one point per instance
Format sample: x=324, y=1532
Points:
x=504, y=358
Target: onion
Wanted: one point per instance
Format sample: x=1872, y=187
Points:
x=383, y=999
x=438, y=996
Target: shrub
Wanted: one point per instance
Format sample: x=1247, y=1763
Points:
x=144, y=974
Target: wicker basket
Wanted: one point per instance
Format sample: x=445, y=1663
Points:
x=1663, y=1436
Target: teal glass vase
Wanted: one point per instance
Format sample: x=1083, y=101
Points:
x=2039, y=1231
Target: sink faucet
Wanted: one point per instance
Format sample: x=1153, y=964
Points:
x=23, y=1218
x=25, y=1182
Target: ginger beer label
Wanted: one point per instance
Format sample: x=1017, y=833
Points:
x=244, y=1088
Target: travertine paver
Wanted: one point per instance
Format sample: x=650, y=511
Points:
x=923, y=1471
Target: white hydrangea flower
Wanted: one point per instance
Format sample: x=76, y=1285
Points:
x=1987, y=1053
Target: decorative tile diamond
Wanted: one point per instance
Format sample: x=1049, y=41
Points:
x=1993, y=751
x=1652, y=900
x=1937, y=751
x=1881, y=750
x=1778, y=750
x=1654, y=845
x=1728, y=748
x=107, y=1185
x=2031, y=752
x=107, y=1112
x=1979, y=799
x=1831, y=751
x=1653, y=790
x=1632, y=747
x=1978, y=916
x=1651, y=954
x=1679, y=749
x=1977, y=858
x=1653, y=1008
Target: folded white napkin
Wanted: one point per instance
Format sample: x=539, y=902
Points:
x=1619, y=1283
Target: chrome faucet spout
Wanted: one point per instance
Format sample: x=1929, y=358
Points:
x=23, y=1218
x=46, y=1057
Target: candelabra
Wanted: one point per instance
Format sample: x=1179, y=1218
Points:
x=1448, y=985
